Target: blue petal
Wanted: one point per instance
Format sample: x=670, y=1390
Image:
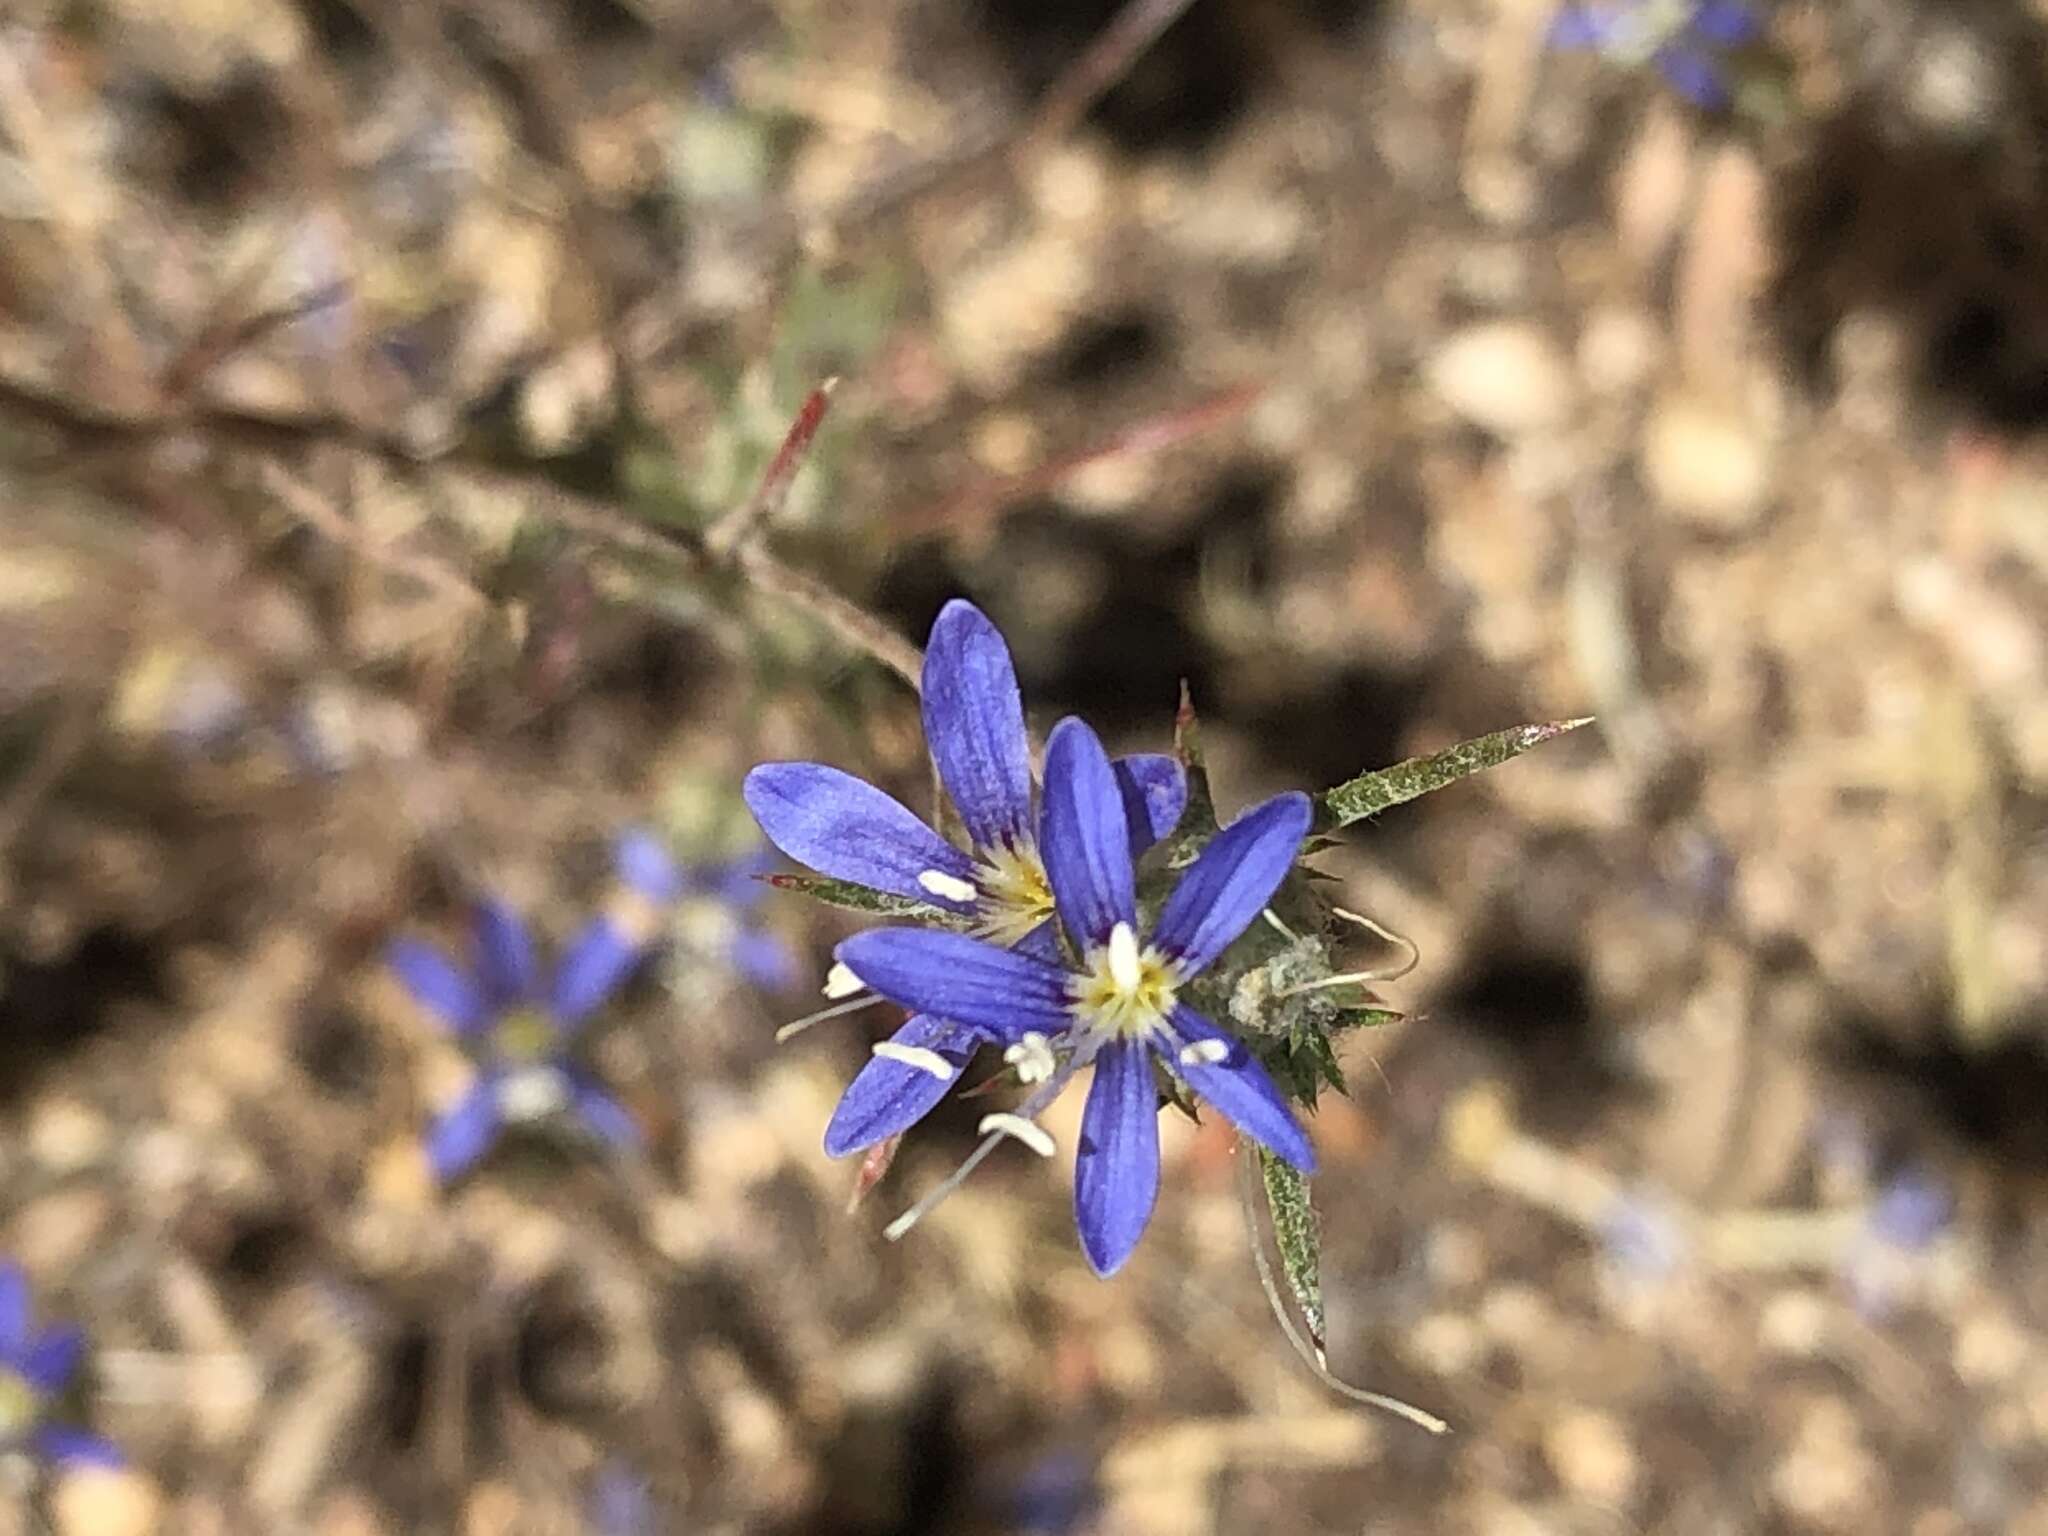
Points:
x=76, y=1448
x=929, y=970
x=1912, y=1210
x=1726, y=23
x=974, y=725
x=886, y=1098
x=846, y=828
x=1695, y=76
x=1155, y=792
x=601, y=1114
x=765, y=960
x=438, y=986
x=1116, y=1167
x=738, y=884
x=1578, y=27
x=1239, y=1087
x=51, y=1361
x=1232, y=880
x=465, y=1132
x=1085, y=840
x=1042, y=942
x=505, y=967
x=645, y=865
x=14, y=1311
x=594, y=966
x=620, y=1502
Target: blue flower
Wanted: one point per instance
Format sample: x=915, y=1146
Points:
x=1883, y=1263
x=1645, y=1235
x=1684, y=39
x=518, y=1028
x=620, y=1503
x=715, y=909
x=36, y=1366
x=1119, y=1008
x=849, y=830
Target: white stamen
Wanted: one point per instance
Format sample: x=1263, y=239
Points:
x=532, y=1094
x=915, y=1056
x=910, y=1218
x=1124, y=970
x=1032, y=1057
x=1204, y=1053
x=947, y=887
x=1018, y=1128
x=841, y=982
x=796, y=1027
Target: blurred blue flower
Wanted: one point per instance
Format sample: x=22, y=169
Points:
x=1056, y=1492
x=1119, y=1008
x=620, y=1502
x=518, y=1026
x=1902, y=1223
x=1911, y=1210
x=847, y=829
x=715, y=909
x=1686, y=41
x=1643, y=1234
x=36, y=1366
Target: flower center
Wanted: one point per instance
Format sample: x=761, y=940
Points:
x=532, y=1093
x=1015, y=895
x=707, y=927
x=1123, y=990
x=523, y=1035
x=18, y=1404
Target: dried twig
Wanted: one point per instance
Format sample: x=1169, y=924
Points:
x=1107, y=60
x=965, y=508
x=853, y=624
x=746, y=520
x=310, y=507
x=54, y=755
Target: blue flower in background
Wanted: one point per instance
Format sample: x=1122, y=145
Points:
x=36, y=1366
x=1055, y=1494
x=518, y=1026
x=715, y=909
x=1645, y=1235
x=847, y=829
x=1120, y=1007
x=620, y=1503
x=1685, y=40
x=1882, y=1265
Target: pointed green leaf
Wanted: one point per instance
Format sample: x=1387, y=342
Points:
x=1371, y=793
x=858, y=898
x=1299, y=1239
x=1366, y=1018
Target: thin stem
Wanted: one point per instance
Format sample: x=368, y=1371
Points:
x=1108, y=59
x=745, y=521
x=850, y=622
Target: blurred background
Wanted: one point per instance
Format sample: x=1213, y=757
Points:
x=374, y=378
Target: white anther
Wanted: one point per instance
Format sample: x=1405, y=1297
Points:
x=947, y=887
x=1018, y=1129
x=916, y=1056
x=1032, y=1057
x=1204, y=1053
x=841, y=982
x=1124, y=970
x=532, y=1094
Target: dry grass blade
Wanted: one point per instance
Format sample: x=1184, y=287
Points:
x=747, y=519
